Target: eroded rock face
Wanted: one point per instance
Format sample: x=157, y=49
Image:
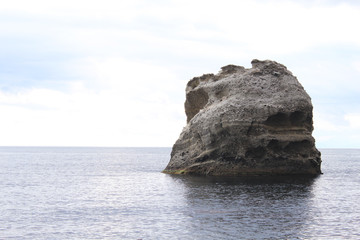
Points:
x=246, y=122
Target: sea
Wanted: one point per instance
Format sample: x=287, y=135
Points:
x=120, y=193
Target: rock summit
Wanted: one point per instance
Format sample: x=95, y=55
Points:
x=255, y=121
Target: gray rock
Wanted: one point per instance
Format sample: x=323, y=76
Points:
x=255, y=121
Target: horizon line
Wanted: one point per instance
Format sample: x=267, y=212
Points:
x=56, y=146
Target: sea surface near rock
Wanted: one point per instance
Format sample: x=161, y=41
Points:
x=255, y=121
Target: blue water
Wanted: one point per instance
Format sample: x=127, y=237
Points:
x=120, y=193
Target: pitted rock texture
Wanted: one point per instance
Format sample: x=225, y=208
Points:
x=255, y=121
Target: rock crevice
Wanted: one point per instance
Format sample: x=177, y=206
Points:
x=246, y=122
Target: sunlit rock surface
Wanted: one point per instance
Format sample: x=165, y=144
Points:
x=255, y=121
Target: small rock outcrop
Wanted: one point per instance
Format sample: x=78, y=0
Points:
x=255, y=121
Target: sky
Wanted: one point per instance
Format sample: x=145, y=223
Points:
x=113, y=73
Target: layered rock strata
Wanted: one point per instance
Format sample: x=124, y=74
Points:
x=255, y=121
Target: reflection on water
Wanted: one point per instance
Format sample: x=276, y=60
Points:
x=267, y=207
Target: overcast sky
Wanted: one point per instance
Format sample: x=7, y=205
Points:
x=113, y=73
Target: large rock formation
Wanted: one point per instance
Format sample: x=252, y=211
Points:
x=246, y=122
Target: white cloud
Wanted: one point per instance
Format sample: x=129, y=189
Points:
x=129, y=62
x=131, y=107
x=354, y=120
x=262, y=27
x=337, y=131
x=124, y=10
x=86, y=119
x=356, y=65
x=265, y=27
x=325, y=123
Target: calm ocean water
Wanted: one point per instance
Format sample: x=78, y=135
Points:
x=119, y=193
